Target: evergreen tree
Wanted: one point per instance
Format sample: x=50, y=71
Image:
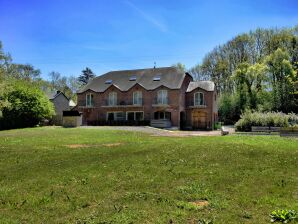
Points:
x=86, y=75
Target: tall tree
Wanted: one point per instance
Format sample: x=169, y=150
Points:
x=180, y=66
x=23, y=71
x=59, y=82
x=86, y=75
x=282, y=77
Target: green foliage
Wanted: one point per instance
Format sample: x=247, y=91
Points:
x=228, y=108
x=28, y=106
x=180, y=66
x=283, y=216
x=272, y=119
x=283, y=75
x=259, y=68
x=205, y=221
x=86, y=75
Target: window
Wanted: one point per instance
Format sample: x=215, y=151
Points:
x=119, y=116
x=199, y=99
x=109, y=81
x=162, y=97
x=137, y=98
x=156, y=78
x=162, y=115
x=89, y=100
x=115, y=116
x=135, y=115
x=110, y=117
x=112, y=98
x=139, y=116
x=133, y=78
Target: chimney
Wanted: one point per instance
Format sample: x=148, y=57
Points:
x=58, y=91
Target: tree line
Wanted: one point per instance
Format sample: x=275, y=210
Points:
x=254, y=71
x=24, y=93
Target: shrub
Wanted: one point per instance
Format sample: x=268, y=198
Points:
x=293, y=119
x=28, y=106
x=272, y=119
x=283, y=216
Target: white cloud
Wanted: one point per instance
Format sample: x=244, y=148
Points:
x=158, y=24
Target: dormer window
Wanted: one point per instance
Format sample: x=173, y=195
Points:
x=199, y=99
x=133, y=78
x=156, y=78
x=109, y=81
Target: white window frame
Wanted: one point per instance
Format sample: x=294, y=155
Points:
x=90, y=96
x=115, y=117
x=134, y=114
x=137, y=98
x=162, y=97
x=197, y=99
x=112, y=101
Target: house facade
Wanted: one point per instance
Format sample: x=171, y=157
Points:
x=164, y=97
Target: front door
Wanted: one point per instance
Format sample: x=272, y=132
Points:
x=199, y=120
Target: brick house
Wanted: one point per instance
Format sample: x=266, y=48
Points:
x=163, y=97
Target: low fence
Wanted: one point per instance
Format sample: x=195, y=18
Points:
x=289, y=132
x=283, y=131
x=265, y=129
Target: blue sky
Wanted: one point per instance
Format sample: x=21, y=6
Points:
x=67, y=36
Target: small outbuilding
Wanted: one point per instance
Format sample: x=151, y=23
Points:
x=61, y=103
x=72, y=118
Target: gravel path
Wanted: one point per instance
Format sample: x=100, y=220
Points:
x=157, y=131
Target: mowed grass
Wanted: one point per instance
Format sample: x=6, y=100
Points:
x=57, y=175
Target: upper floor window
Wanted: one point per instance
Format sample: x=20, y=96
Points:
x=162, y=97
x=89, y=100
x=199, y=99
x=112, y=98
x=137, y=98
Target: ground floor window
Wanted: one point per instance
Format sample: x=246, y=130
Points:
x=135, y=115
x=115, y=116
x=162, y=115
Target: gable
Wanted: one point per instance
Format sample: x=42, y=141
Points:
x=204, y=85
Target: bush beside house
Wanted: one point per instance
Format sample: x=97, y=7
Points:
x=27, y=107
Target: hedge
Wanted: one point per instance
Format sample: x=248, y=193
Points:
x=271, y=119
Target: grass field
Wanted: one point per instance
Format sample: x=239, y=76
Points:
x=56, y=175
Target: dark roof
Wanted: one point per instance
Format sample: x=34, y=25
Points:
x=206, y=85
x=170, y=77
x=54, y=94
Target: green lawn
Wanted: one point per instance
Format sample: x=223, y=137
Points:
x=56, y=175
